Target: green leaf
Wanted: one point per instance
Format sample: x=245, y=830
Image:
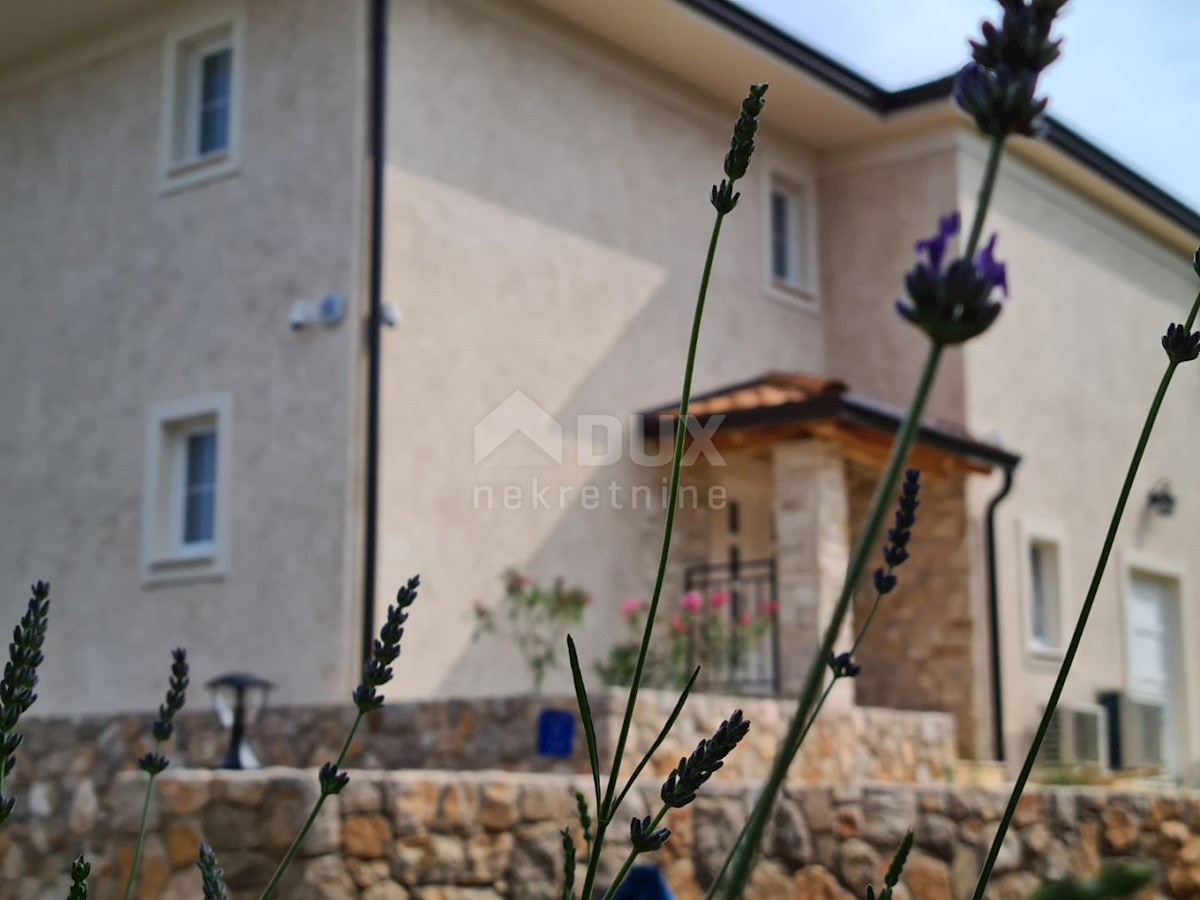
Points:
x=1124, y=879
x=662, y=735
x=1067, y=889
x=585, y=713
x=1118, y=880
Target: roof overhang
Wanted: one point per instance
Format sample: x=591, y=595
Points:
x=789, y=406
x=34, y=28
x=814, y=99
x=829, y=107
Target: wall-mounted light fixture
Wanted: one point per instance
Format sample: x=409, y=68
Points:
x=1162, y=498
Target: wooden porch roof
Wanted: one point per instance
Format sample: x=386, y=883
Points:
x=780, y=406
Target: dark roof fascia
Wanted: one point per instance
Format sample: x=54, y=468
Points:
x=853, y=410
x=882, y=101
x=783, y=45
x=1087, y=153
x=860, y=411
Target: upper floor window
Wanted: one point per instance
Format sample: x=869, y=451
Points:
x=790, y=244
x=201, y=102
x=210, y=103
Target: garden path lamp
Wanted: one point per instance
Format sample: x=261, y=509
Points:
x=238, y=700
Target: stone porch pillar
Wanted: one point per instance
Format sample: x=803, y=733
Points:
x=812, y=548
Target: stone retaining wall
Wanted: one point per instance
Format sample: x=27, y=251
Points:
x=68, y=761
x=483, y=836
x=501, y=733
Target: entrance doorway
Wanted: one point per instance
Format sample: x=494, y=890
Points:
x=1153, y=629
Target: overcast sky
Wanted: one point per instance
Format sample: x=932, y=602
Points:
x=1129, y=77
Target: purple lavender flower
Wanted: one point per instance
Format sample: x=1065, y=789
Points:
x=843, y=666
x=953, y=303
x=998, y=88
x=990, y=268
x=1000, y=100
x=948, y=226
x=1022, y=41
x=1181, y=346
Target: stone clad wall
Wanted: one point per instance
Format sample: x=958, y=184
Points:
x=920, y=651
x=484, y=836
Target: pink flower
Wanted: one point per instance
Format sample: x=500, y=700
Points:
x=677, y=624
x=516, y=582
x=720, y=598
x=630, y=605
x=693, y=601
x=770, y=608
x=746, y=618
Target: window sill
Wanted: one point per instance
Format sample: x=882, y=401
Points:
x=187, y=173
x=201, y=564
x=1043, y=653
x=792, y=296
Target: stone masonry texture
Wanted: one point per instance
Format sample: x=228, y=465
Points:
x=430, y=835
x=920, y=652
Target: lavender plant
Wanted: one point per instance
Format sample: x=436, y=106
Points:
x=20, y=678
x=17, y=696
x=892, y=878
x=154, y=763
x=951, y=299
x=80, y=870
x=842, y=665
x=1181, y=345
x=951, y=302
x=708, y=757
x=211, y=876
x=377, y=671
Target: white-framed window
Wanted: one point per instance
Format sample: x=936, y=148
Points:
x=202, y=79
x=186, y=494
x=1044, y=589
x=791, y=240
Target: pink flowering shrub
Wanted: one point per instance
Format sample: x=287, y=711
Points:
x=535, y=618
x=704, y=631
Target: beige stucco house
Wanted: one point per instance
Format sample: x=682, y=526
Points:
x=249, y=378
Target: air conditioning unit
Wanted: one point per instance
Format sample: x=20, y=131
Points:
x=1075, y=737
x=1136, y=729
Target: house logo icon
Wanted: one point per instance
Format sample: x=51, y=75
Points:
x=518, y=432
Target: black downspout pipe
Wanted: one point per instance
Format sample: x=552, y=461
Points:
x=994, y=615
x=378, y=143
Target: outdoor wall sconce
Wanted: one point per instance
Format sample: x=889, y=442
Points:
x=239, y=699
x=1162, y=498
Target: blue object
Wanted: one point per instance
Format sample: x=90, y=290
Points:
x=644, y=883
x=556, y=732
